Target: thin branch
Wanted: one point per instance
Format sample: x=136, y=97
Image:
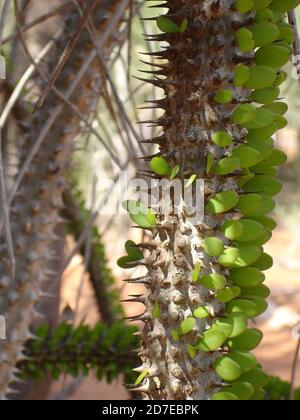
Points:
x=68, y=390
x=4, y=206
x=41, y=19
x=92, y=219
x=95, y=266
x=5, y=10
x=5, y=212
x=88, y=225
x=74, y=37
x=119, y=12
x=50, y=83
x=296, y=46
x=294, y=370
x=122, y=112
x=24, y=79
x=86, y=252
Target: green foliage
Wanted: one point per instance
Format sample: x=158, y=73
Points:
x=160, y=166
x=140, y=214
x=134, y=256
x=168, y=26
x=106, y=350
x=277, y=389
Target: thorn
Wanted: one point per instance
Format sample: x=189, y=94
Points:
x=142, y=388
x=139, y=369
x=142, y=317
x=138, y=280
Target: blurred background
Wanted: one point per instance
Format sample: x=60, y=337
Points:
x=112, y=148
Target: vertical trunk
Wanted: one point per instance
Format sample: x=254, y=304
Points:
x=35, y=209
x=198, y=297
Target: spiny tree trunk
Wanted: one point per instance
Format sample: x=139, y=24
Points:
x=198, y=297
x=35, y=209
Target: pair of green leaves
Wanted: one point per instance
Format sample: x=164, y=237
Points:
x=134, y=255
x=168, y=26
x=140, y=214
x=161, y=168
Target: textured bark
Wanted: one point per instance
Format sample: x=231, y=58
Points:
x=35, y=210
x=196, y=71
x=200, y=62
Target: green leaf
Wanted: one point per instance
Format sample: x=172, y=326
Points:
x=127, y=262
x=213, y=247
x=239, y=324
x=227, y=294
x=263, y=118
x=242, y=390
x=167, y=25
x=227, y=369
x=263, y=184
x=224, y=96
x=232, y=229
x=260, y=77
x=229, y=256
x=241, y=75
x=142, y=376
x=264, y=262
x=146, y=221
x=264, y=33
x=245, y=360
x=222, y=202
x=160, y=166
x=272, y=55
x=175, y=335
x=213, y=281
x=231, y=367
x=227, y=165
x=190, y=182
x=243, y=114
x=156, y=310
x=197, y=271
x=245, y=40
x=187, y=325
x=174, y=172
x=242, y=306
x=251, y=230
x=266, y=95
x=212, y=340
x=209, y=162
x=201, y=312
x=224, y=396
x=247, y=277
x=221, y=138
x=248, y=340
x=134, y=251
x=134, y=207
x=225, y=325
x=191, y=350
x=244, y=6
x=255, y=204
x=256, y=377
x=247, y=156
x=184, y=25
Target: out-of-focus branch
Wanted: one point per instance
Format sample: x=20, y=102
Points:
x=109, y=351
x=296, y=46
x=106, y=295
x=294, y=370
x=3, y=15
